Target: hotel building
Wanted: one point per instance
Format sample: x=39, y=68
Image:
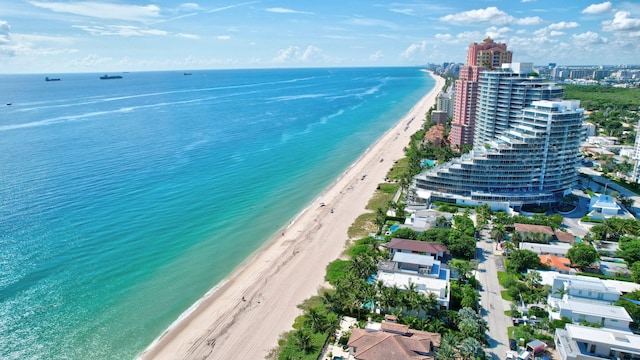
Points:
x=525, y=151
x=480, y=57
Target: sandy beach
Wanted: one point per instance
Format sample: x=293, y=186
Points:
x=244, y=316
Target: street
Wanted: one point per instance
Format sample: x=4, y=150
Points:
x=494, y=306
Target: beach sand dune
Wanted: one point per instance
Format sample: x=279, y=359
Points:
x=244, y=316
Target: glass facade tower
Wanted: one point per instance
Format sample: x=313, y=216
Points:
x=526, y=146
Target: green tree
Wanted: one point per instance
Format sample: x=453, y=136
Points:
x=582, y=254
x=521, y=260
x=405, y=233
x=635, y=272
x=317, y=320
x=381, y=218
x=470, y=348
x=302, y=339
x=462, y=268
x=629, y=249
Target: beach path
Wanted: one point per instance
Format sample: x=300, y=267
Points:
x=243, y=317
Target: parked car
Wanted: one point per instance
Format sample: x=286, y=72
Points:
x=513, y=344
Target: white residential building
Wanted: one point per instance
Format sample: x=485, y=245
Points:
x=426, y=273
x=608, y=316
x=557, y=249
x=582, y=288
x=577, y=342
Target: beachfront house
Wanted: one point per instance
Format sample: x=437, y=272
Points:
x=577, y=342
x=436, y=250
x=390, y=340
x=424, y=272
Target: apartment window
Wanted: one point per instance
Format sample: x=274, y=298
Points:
x=593, y=348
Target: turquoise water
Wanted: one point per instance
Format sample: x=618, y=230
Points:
x=124, y=201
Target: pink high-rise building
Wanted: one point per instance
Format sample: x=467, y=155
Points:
x=480, y=57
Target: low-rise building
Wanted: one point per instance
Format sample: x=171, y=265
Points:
x=424, y=272
x=608, y=316
x=557, y=263
x=436, y=250
x=610, y=268
x=539, y=233
x=603, y=206
x=582, y=288
x=577, y=342
x=390, y=340
x=557, y=249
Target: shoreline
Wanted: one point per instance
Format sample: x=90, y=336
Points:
x=258, y=296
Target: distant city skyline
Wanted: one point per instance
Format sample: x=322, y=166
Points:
x=40, y=36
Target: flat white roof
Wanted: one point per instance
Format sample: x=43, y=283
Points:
x=559, y=248
x=423, y=284
x=615, y=338
x=411, y=258
x=594, y=309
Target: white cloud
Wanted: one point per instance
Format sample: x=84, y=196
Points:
x=563, y=25
x=312, y=54
x=189, y=7
x=292, y=54
x=120, y=30
x=444, y=36
x=526, y=1
x=5, y=32
x=622, y=21
x=598, y=8
x=497, y=33
x=90, y=61
x=372, y=22
x=410, y=12
x=377, y=56
x=414, y=50
x=223, y=37
x=287, y=11
x=188, y=36
x=589, y=37
x=554, y=29
x=103, y=10
x=490, y=15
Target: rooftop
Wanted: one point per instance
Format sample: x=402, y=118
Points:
x=534, y=228
x=417, y=246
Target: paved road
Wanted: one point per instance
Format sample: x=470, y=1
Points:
x=487, y=274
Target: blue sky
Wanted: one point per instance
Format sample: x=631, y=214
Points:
x=53, y=36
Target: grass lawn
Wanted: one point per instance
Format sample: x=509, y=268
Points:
x=503, y=277
x=505, y=295
x=382, y=197
x=363, y=226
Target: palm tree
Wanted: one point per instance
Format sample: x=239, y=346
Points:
x=303, y=340
x=448, y=348
x=470, y=348
x=317, y=320
x=497, y=234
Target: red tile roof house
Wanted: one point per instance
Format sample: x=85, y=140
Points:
x=557, y=263
x=565, y=237
x=392, y=341
x=438, y=251
x=535, y=233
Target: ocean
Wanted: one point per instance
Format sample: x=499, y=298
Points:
x=122, y=202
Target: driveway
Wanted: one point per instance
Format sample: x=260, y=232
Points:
x=494, y=306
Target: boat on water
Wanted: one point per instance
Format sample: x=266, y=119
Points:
x=187, y=73
x=109, y=77
x=51, y=79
